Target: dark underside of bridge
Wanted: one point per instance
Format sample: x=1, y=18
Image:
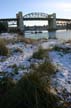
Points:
x=58, y=27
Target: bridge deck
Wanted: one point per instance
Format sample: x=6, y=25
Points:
x=25, y=19
x=8, y=19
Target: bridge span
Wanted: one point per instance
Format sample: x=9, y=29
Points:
x=26, y=19
x=53, y=22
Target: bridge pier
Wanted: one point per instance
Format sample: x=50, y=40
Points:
x=20, y=25
x=52, y=24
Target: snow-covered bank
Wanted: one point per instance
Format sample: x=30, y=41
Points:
x=61, y=81
x=19, y=60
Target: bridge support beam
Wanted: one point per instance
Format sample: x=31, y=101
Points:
x=20, y=25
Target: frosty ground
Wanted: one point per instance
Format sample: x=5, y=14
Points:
x=17, y=63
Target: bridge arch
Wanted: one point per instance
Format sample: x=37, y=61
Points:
x=36, y=15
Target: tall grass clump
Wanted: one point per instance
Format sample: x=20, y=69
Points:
x=46, y=68
x=40, y=54
x=3, y=48
x=56, y=48
x=30, y=92
x=62, y=49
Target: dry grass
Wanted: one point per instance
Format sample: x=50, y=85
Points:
x=21, y=38
x=40, y=54
x=69, y=41
x=26, y=40
x=64, y=50
x=3, y=49
x=29, y=40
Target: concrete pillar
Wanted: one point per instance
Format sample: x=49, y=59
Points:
x=52, y=22
x=20, y=24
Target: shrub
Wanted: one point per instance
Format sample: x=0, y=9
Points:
x=46, y=69
x=3, y=48
x=15, y=71
x=62, y=49
x=56, y=48
x=40, y=54
x=31, y=93
x=5, y=85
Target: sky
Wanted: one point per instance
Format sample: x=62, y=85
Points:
x=9, y=8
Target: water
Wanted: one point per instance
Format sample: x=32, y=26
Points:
x=59, y=34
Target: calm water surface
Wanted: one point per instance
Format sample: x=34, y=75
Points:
x=59, y=34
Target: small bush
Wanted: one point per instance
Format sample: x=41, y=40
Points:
x=46, y=69
x=3, y=48
x=6, y=84
x=40, y=54
x=62, y=49
x=14, y=66
x=16, y=71
x=56, y=48
x=30, y=93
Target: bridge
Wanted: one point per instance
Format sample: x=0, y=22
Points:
x=53, y=22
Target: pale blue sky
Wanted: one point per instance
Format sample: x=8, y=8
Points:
x=9, y=8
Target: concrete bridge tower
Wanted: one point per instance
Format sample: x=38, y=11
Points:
x=20, y=24
x=52, y=26
x=52, y=22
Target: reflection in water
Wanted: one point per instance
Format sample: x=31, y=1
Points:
x=52, y=35
x=33, y=35
x=59, y=34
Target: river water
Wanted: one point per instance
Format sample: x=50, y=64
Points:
x=59, y=34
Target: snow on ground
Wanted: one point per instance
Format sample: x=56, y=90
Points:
x=8, y=35
x=63, y=63
x=61, y=80
x=51, y=43
x=20, y=59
